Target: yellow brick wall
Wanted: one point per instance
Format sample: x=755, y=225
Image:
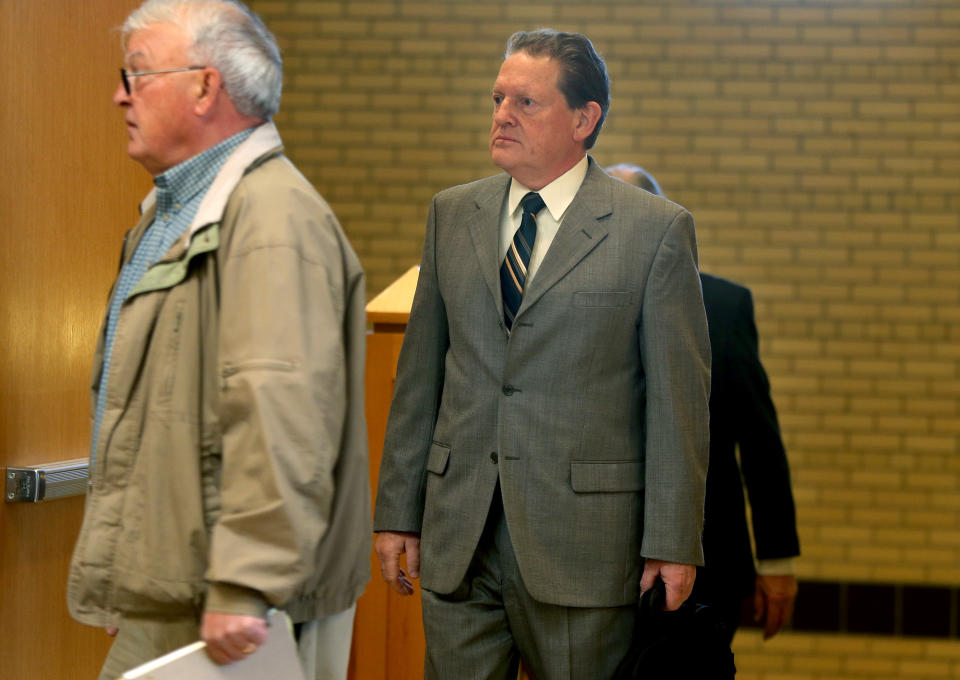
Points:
x=817, y=144
x=795, y=656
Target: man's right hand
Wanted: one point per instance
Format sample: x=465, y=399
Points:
x=390, y=545
x=773, y=601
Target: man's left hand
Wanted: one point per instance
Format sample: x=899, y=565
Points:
x=231, y=637
x=678, y=578
x=773, y=601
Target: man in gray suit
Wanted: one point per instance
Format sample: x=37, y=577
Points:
x=546, y=449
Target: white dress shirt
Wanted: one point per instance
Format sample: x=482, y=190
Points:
x=557, y=196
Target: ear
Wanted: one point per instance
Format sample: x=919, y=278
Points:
x=587, y=117
x=207, y=90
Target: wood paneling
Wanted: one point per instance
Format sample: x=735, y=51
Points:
x=388, y=641
x=67, y=194
x=388, y=635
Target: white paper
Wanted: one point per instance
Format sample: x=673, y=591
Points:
x=276, y=659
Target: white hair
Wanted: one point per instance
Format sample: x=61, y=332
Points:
x=226, y=35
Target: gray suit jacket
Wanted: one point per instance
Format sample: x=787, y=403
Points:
x=593, y=413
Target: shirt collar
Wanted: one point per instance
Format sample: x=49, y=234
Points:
x=558, y=195
x=185, y=180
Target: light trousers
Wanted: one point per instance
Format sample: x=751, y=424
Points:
x=324, y=644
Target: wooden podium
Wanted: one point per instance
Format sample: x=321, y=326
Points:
x=388, y=631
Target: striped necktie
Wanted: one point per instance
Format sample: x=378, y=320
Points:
x=513, y=271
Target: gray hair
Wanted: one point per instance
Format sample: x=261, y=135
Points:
x=226, y=35
x=634, y=174
x=583, y=74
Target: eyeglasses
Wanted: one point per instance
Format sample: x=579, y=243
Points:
x=125, y=75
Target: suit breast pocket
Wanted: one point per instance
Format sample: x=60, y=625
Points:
x=602, y=298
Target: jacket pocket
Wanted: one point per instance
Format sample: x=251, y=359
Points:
x=438, y=458
x=171, y=350
x=602, y=298
x=210, y=474
x=606, y=476
x=231, y=368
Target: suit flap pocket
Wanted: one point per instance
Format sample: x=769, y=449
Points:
x=438, y=458
x=610, y=476
x=601, y=298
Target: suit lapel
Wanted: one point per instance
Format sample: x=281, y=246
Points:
x=582, y=230
x=483, y=223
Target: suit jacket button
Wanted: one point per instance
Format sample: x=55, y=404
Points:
x=493, y=457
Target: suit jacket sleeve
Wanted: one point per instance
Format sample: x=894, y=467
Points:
x=675, y=349
x=416, y=400
x=763, y=461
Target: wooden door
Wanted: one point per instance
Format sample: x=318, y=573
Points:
x=67, y=194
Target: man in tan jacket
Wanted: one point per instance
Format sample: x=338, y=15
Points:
x=229, y=455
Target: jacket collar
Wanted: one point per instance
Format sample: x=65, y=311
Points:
x=263, y=142
x=484, y=227
x=582, y=230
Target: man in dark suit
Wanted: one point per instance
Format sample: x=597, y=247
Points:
x=546, y=450
x=741, y=414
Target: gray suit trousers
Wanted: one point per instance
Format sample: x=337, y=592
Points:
x=483, y=628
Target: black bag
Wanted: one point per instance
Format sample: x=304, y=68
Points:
x=686, y=643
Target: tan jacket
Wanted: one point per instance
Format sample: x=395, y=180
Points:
x=231, y=469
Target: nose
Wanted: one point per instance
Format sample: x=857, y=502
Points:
x=503, y=113
x=120, y=96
